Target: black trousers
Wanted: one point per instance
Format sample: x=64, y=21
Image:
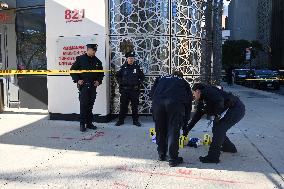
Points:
x=220, y=128
x=87, y=99
x=168, y=115
x=129, y=95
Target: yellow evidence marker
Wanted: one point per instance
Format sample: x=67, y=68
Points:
x=152, y=132
x=207, y=140
x=183, y=140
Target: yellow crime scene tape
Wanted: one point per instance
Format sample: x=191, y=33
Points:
x=47, y=72
x=261, y=79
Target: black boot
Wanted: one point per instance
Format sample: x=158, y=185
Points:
x=175, y=162
x=91, y=126
x=82, y=127
x=232, y=149
x=162, y=157
x=119, y=122
x=137, y=123
x=208, y=159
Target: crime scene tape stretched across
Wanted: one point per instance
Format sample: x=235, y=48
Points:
x=263, y=79
x=47, y=72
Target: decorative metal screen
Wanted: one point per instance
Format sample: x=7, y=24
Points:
x=165, y=35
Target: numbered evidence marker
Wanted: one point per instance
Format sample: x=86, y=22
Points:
x=152, y=132
x=207, y=140
x=183, y=140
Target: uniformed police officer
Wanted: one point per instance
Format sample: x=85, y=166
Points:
x=130, y=78
x=172, y=101
x=87, y=84
x=227, y=109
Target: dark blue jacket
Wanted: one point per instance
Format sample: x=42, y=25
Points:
x=172, y=87
x=175, y=88
x=84, y=62
x=213, y=102
x=130, y=75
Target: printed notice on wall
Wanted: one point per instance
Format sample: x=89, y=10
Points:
x=68, y=48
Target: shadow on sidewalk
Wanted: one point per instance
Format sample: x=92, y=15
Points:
x=130, y=142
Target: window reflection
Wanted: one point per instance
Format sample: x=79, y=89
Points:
x=29, y=3
x=31, y=39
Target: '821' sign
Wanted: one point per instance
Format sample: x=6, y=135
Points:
x=74, y=15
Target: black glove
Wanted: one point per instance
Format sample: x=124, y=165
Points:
x=217, y=118
x=185, y=130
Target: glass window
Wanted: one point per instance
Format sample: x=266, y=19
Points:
x=31, y=38
x=29, y=3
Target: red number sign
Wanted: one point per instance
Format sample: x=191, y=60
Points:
x=74, y=15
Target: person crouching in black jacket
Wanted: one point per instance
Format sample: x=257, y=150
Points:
x=215, y=102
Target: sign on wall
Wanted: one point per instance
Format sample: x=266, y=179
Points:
x=7, y=16
x=74, y=15
x=68, y=48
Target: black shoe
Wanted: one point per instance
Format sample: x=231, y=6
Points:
x=162, y=157
x=120, y=122
x=91, y=126
x=230, y=150
x=207, y=159
x=137, y=123
x=175, y=162
x=82, y=127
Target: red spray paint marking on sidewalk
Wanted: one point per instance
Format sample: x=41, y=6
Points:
x=92, y=137
x=181, y=176
x=98, y=134
x=120, y=185
x=184, y=171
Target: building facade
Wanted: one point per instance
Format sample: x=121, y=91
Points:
x=264, y=14
x=166, y=35
x=277, y=37
x=22, y=38
x=243, y=19
x=252, y=21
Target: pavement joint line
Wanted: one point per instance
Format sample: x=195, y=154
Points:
x=151, y=176
x=263, y=156
x=29, y=170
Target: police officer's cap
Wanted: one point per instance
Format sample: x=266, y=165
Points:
x=130, y=54
x=92, y=46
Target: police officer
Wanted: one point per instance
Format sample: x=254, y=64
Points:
x=227, y=109
x=87, y=84
x=130, y=78
x=171, y=105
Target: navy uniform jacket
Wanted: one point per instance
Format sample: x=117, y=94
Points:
x=173, y=87
x=213, y=102
x=130, y=76
x=85, y=62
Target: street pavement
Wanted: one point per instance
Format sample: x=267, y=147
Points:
x=36, y=152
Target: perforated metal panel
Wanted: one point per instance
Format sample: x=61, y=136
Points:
x=165, y=35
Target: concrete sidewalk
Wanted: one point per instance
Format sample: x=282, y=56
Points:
x=39, y=153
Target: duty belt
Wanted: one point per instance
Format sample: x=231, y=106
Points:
x=87, y=84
